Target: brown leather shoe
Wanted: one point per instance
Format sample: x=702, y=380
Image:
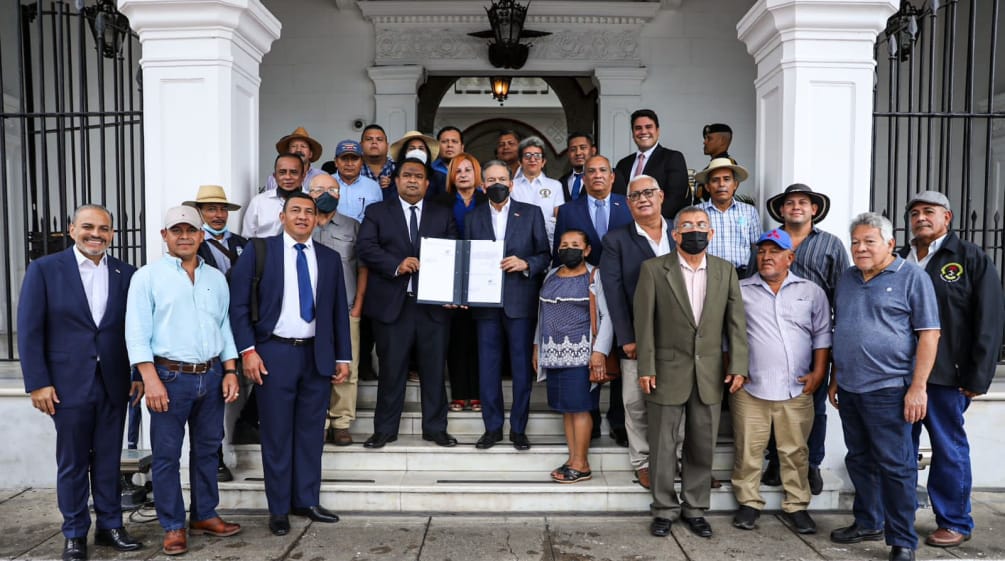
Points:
x=643, y=477
x=944, y=537
x=175, y=542
x=214, y=527
x=342, y=437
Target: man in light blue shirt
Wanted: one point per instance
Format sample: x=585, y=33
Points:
x=177, y=334
x=789, y=338
x=737, y=225
x=356, y=191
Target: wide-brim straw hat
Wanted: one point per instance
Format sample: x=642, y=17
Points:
x=432, y=143
x=822, y=201
x=721, y=163
x=283, y=146
x=212, y=194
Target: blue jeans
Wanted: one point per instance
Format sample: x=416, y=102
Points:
x=949, y=476
x=881, y=462
x=196, y=399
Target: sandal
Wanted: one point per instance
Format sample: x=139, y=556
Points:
x=558, y=471
x=476, y=405
x=570, y=475
x=457, y=405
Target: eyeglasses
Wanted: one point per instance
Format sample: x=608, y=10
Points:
x=692, y=226
x=634, y=196
x=330, y=191
x=533, y=156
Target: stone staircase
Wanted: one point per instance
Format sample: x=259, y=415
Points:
x=411, y=475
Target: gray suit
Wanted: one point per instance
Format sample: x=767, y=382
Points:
x=687, y=361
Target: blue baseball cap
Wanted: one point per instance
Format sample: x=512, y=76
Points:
x=776, y=236
x=348, y=147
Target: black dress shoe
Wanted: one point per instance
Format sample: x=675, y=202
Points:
x=854, y=534
x=746, y=517
x=816, y=480
x=489, y=439
x=900, y=553
x=772, y=475
x=223, y=474
x=379, y=439
x=519, y=440
x=660, y=527
x=317, y=514
x=620, y=436
x=117, y=538
x=75, y=549
x=800, y=521
x=699, y=526
x=441, y=438
x=279, y=525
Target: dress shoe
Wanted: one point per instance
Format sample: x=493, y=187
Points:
x=620, y=436
x=519, y=440
x=800, y=521
x=489, y=439
x=660, y=527
x=816, y=480
x=339, y=437
x=279, y=525
x=441, y=438
x=900, y=553
x=854, y=534
x=223, y=474
x=175, y=542
x=944, y=537
x=772, y=475
x=746, y=517
x=317, y=514
x=379, y=439
x=117, y=538
x=699, y=526
x=75, y=549
x=642, y=474
x=214, y=527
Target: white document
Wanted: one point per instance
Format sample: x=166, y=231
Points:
x=485, y=278
x=436, y=270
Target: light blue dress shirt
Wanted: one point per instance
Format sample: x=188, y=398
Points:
x=167, y=315
x=356, y=196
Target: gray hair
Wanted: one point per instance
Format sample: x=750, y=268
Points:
x=98, y=208
x=531, y=141
x=643, y=176
x=873, y=220
x=491, y=163
x=689, y=209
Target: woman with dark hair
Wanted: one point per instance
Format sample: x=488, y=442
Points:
x=408, y=146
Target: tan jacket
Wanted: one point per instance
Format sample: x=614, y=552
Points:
x=670, y=345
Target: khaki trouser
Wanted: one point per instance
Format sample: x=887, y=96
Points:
x=752, y=422
x=342, y=410
x=636, y=423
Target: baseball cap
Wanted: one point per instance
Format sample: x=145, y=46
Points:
x=348, y=147
x=182, y=215
x=778, y=237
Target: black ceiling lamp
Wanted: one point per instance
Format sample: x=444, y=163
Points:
x=108, y=26
x=507, y=18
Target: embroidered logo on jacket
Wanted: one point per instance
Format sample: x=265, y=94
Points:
x=951, y=272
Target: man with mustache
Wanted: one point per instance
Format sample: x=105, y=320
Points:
x=737, y=224
x=299, y=142
x=261, y=218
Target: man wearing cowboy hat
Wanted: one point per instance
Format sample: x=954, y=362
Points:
x=408, y=146
x=821, y=258
x=299, y=142
x=737, y=224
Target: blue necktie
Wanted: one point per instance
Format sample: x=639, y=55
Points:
x=304, y=284
x=600, y=219
x=577, y=184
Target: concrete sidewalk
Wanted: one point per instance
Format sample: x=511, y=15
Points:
x=30, y=526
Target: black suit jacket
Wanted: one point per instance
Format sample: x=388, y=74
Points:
x=235, y=241
x=669, y=169
x=383, y=243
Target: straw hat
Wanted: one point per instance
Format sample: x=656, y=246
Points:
x=432, y=143
x=720, y=163
x=283, y=146
x=211, y=194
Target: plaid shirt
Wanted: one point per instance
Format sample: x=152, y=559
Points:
x=736, y=230
x=387, y=170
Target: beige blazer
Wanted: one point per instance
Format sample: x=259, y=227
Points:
x=675, y=350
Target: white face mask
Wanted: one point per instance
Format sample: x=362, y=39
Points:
x=417, y=154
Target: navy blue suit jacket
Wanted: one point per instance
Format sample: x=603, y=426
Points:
x=624, y=252
x=237, y=242
x=525, y=238
x=383, y=243
x=670, y=170
x=59, y=344
x=331, y=317
x=577, y=215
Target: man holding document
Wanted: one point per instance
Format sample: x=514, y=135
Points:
x=520, y=226
x=389, y=245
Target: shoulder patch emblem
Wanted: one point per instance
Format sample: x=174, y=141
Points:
x=951, y=272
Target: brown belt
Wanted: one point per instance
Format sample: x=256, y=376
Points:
x=185, y=367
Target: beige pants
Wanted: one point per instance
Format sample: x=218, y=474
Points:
x=342, y=409
x=752, y=422
x=636, y=418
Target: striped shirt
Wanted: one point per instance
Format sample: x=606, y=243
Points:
x=736, y=230
x=821, y=258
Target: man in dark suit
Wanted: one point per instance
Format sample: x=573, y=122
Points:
x=579, y=148
x=298, y=347
x=686, y=304
x=389, y=245
x=666, y=165
x=71, y=339
x=597, y=213
x=649, y=235
x=521, y=227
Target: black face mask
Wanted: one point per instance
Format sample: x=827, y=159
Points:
x=571, y=257
x=326, y=203
x=693, y=243
x=497, y=193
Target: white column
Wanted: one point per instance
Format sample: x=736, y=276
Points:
x=814, y=98
x=200, y=99
x=396, y=96
x=619, y=94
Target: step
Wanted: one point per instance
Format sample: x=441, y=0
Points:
x=462, y=424
x=366, y=392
